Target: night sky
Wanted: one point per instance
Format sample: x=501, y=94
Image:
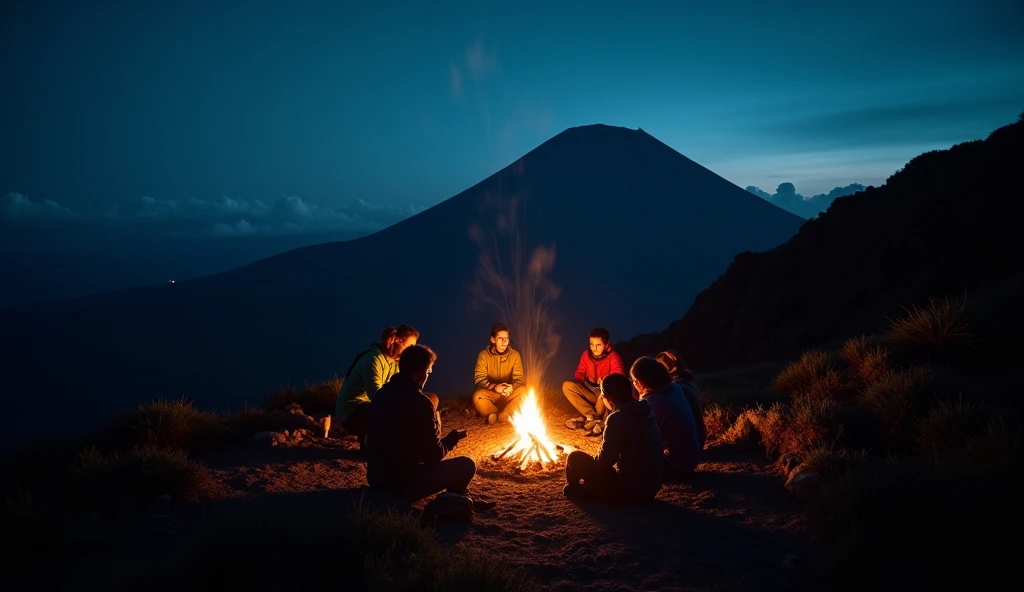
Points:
x=256, y=119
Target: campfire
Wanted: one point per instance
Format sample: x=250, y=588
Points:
x=531, y=443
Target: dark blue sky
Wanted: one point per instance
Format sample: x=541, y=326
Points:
x=253, y=116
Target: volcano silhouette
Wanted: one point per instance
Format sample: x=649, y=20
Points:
x=637, y=228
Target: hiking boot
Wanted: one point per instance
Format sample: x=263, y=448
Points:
x=588, y=425
x=492, y=419
x=597, y=430
x=575, y=423
x=503, y=417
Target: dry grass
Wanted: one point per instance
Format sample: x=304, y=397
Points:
x=829, y=461
x=895, y=397
x=315, y=399
x=940, y=322
x=161, y=424
x=770, y=424
x=797, y=377
x=743, y=432
x=141, y=474
x=718, y=419
x=942, y=433
x=373, y=550
x=866, y=362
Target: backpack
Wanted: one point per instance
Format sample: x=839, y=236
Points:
x=356, y=360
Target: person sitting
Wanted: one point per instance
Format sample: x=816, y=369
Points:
x=371, y=369
x=675, y=418
x=404, y=448
x=629, y=466
x=498, y=378
x=584, y=389
x=685, y=379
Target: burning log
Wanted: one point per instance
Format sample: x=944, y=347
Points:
x=543, y=450
x=526, y=457
x=506, y=451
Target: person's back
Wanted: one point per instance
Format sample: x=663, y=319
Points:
x=678, y=428
x=402, y=435
x=361, y=379
x=692, y=395
x=632, y=430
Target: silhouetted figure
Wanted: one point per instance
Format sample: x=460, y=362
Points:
x=685, y=378
x=675, y=418
x=404, y=448
x=584, y=390
x=371, y=369
x=498, y=378
x=629, y=466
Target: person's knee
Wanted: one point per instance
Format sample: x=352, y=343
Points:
x=467, y=466
x=575, y=456
x=568, y=387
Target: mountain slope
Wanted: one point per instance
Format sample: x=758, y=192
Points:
x=637, y=230
x=939, y=227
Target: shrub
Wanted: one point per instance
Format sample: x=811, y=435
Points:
x=941, y=322
x=717, y=420
x=367, y=549
x=828, y=461
x=798, y=376
x=771, y=425
x=250, y=420
x=141, y=474
x=898, y=524
x=866, y=362
x=996, y=449
x=943, y=432
x=743, y=433
x=315, y=399
x=895, y=397
x=162, y=424
x=809, y=424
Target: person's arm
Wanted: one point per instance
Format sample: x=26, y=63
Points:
x=581, y=369
x=373, y=376
x=424, y=435
x=480, y=378
x=616, y=363
x=518, y=377
x=611, y=445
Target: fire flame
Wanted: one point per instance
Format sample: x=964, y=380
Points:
x=531, y=443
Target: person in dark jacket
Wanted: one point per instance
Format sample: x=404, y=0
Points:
x=584, y=389
x=404, y=448
x=629, y=466
x=684, y=378
x=675, y=418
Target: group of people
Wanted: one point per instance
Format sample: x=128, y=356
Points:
x=651, y=420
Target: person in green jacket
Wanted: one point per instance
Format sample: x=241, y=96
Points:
x=371, y=369
x=498, y=378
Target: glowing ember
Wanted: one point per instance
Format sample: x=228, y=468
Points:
x=531, y=443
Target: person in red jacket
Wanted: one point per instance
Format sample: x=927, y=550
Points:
x=584, y=390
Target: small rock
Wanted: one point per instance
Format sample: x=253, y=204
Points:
x=270, y=438
x=789, y=462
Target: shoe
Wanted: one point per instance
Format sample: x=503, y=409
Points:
x=503, y=417
x=574, y=423
x=597, y=430
x=492, y=419
x=589, y=424
x=480, y=505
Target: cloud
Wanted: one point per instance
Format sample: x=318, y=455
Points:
x=478, y=61
x=894, y=123
x=226, y=216
x=787, y=198
x=15, y=205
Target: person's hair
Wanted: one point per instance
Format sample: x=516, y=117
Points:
x=498, y=328
x=392, y=338
x=415, y=359
x=670, y=360
x=650, y=373
x=601, y=333
x=616, y=388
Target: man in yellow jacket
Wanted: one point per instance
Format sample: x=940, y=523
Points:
x=498, y=379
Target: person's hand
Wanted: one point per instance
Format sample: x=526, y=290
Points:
x=453, y=438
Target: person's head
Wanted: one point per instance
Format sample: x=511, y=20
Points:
x=649, y=375
x=394, y=340
x=670, y=360
x=417, y=362
x=616, y=391
x=499, y=337
x=599, y=338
